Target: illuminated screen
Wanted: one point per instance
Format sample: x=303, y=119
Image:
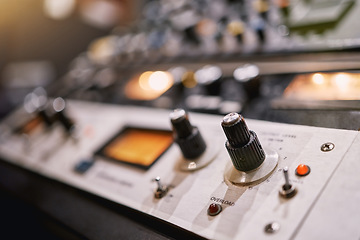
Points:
x=136, y=146
x=30, y=126
x=324, y=86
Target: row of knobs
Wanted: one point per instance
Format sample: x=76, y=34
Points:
x=242, y=144
x=50, y=111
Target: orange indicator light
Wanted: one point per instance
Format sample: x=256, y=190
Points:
x=214, y=209
x=302, y=170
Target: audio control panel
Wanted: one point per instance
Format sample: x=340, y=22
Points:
x=220, y=177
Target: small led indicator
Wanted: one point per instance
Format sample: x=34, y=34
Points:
x=84, y=165
x=214, y=209
x=302, y=170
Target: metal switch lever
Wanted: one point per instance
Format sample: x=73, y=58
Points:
x=161, y=190
x=287, y=190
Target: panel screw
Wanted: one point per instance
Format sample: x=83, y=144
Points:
x=327, y=147
x=272, y=227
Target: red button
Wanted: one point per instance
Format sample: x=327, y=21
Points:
x=302, y=170
x=214, y=209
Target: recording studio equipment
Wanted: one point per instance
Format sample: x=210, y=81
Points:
x=205, y=119
x=240, y=194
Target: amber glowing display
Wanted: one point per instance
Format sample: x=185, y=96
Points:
x=30, y=126
x=324, y=86
x=139, y=147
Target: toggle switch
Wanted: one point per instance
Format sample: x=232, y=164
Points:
x=287, y=190
x=161, y=190
x=251, y=163
x=196, y=152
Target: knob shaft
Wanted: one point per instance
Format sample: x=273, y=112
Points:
x=59, y=106
x=188, y=137
x=242, y=145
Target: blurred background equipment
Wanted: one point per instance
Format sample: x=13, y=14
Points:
x=230, y=53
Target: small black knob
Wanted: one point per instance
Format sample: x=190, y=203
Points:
x=191, y=35
x=209, y=78
x=242, y=145
x=59, y=107
x=45, y=116
x=37, y=101
x=248, y=76
x=188, y=137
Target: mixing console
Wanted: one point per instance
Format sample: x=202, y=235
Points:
x=224, y=177
x=187, y=118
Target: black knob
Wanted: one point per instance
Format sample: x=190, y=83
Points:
x=191, y=35
x=242, y=145
x=209, y=77
x=260, y=30
x=37, y=101
x=188, y=137
x=248, y=76
x=45, y=116
x=59, y=107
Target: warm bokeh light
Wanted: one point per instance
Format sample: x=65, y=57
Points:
x=158, y=81
x=318, y=79
x=103, y=14
x=342, y=81
x=102, y=49
x=59, y=9
x=206, y=27
x=235, y=28
x=149, y=85
x=324, y=86
x=189, y=80
x=144, y=80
